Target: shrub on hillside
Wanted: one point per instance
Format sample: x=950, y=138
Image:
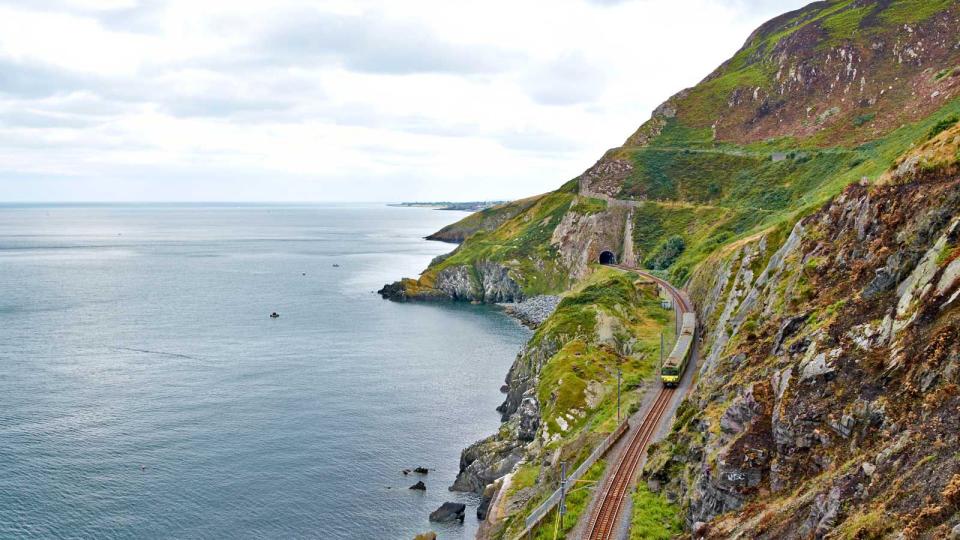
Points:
x=666, y=253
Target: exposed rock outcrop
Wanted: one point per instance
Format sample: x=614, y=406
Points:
x=448, y=512
x=851, y=380
x=489, y=459
x=483, y=282
x=533, y=311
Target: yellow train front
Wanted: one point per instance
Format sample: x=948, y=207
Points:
x=673, y=367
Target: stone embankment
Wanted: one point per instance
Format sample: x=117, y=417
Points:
x=532, y=311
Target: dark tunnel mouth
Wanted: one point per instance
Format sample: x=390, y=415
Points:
x=607, y=257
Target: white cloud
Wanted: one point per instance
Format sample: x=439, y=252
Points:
x=338, y=100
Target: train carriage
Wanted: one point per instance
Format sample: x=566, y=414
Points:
x=673, y=367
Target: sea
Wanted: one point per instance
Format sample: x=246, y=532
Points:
x=145, y=391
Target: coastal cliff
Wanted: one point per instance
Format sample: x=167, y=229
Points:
x=806, y=195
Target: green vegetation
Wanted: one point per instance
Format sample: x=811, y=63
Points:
x=731, y=177
x=942, y=126
x=864, y=119
x=873, y=524
x=605, y=323
x=653, y=517
x=949, y=72
x=521, y=243
x=589, y=205
x=523, y=477
x=484, y=220
x=577, y=499
x=610, y=320
x=846, y=23
x=666, y=253
x=913, y=11
x=719, y=196
x=711, y=96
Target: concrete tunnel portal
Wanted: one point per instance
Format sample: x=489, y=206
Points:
x=607, y=257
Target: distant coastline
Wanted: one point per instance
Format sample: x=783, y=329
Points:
x=471, y=206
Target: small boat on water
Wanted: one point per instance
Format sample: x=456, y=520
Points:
x=274, y=315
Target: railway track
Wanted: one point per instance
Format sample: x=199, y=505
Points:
x=603, y=521
x=606, y=513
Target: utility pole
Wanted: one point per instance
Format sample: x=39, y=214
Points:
x=562, y=508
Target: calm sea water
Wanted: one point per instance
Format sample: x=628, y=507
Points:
x=145, y=392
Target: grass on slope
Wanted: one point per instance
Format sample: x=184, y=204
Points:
x=712, y=198
x=913, y=11
x=484, y=220
x=577, y=499
x=610, y=303
x=654, y=518
x=608, y=320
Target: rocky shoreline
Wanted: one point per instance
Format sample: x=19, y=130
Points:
x=485, y=462
x=532, y=312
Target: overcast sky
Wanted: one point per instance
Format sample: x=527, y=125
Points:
x=287, y=100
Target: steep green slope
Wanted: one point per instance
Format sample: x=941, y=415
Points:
x=562, y=397
x=791, y=191
x=827, y=400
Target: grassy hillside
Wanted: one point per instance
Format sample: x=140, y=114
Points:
x=610, y=320
x=485, y=220
x=815, y=100
x=712, y=199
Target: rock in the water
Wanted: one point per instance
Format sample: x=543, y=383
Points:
x=406, y=472
x=419, y=485
x=426, y=536
x=449, y=511
x=421, y=470
x=483, y=508
x=393, y=291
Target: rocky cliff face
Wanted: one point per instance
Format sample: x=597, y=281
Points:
x=484, y=282
x=490, y=459
x=530, y=254
x=827, y=402
x=580, y=238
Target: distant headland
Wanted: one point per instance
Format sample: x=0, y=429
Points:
x=472, y=206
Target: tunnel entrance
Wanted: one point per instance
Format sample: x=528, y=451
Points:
x=607, y=257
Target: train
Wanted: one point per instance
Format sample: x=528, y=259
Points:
x=673, y=367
